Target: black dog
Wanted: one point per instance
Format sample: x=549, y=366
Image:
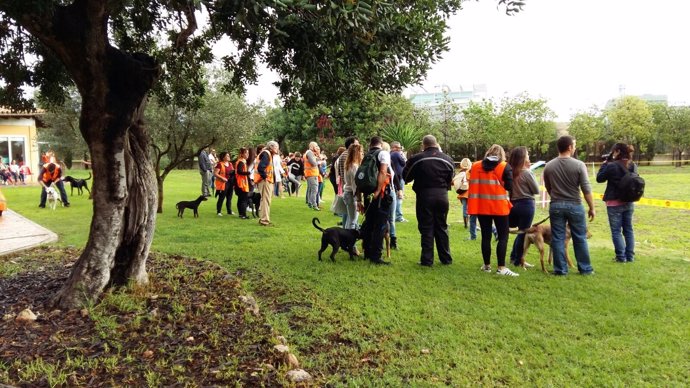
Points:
x=337, y=238
x=80, y=184
x=254, y=200
x=194, y=205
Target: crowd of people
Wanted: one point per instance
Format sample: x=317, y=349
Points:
x=497, y=193
x=15, y=173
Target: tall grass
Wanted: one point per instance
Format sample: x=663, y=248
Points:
x=354, y=323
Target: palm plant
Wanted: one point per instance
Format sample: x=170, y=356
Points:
x=409, y=135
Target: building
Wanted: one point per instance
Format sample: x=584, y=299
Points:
x=18, y=139
x=460, y=98
x=648, y=98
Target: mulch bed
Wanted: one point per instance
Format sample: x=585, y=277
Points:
x=188, y=327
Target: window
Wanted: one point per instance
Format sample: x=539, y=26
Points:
x=12, y=148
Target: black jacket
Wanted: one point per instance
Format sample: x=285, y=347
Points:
x=612, y=172
x=429, y=169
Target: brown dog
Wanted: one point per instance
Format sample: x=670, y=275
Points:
x=539, y=234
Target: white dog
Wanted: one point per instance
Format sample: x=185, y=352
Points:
x=52, y=197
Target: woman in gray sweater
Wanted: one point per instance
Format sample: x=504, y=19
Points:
x=525, y=187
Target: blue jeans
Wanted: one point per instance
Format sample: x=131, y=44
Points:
x=351, y=215
x=573, y=214
x=521, y=216
x=620, y=218
x=398, y=207
x=391, y=215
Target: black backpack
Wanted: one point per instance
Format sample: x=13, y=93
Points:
x=367, y=176
x=631, y=187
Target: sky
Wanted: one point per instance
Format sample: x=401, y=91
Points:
x=573, y=53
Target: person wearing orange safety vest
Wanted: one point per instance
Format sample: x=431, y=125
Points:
x=490, y=181
x=222, y=171
x=51, y=173
x=311, y=172
x=264, y=177
x=242, y=183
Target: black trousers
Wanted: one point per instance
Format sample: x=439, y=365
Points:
x=374, y=227
x=229, y=189
x=501, y=223
x=242, y=202
x=432, y=213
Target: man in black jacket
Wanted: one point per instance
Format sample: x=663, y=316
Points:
x=432, y=173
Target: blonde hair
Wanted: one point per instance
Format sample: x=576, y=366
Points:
x=465, y=164
x=496, y=150
x=385, y=146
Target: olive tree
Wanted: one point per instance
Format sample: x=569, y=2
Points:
x=115, y=52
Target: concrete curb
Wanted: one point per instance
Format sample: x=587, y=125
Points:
x=18, y=233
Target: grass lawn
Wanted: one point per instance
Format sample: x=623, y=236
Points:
x=353, y=323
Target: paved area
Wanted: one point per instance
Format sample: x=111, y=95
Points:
x=18, y=233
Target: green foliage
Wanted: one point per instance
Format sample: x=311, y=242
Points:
x=409, y=135
x=672, y=125
x=447, y=121
x=479, y=126
x=516, y=121
x=630, y=121
x=525, y=121
x=61, y=131
x=323, y=51
x=588, y=128
x=296, y=125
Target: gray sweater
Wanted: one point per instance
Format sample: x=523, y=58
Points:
x=525, y=186
x=564, y=178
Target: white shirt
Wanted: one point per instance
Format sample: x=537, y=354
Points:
x=278, y=168
x=385, y=157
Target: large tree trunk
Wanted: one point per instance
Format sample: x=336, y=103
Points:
x=124, y=194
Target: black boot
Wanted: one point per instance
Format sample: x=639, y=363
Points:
x=394, y=242
x=465, y=219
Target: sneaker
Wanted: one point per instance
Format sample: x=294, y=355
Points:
x=506, y=272
x=485, y=268
x=220, y=214
x=318, y=209
x=528, y=265
x=67, y=205
x=401, y=220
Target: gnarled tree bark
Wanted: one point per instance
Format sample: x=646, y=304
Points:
x=114, y=87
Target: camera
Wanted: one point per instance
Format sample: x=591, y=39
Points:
x=607, y=157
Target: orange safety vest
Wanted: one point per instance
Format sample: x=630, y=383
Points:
x=309, y=169
x=487, y=195
x=269, y=169
x=219, y=183
x=242, y=181
x=48, y=177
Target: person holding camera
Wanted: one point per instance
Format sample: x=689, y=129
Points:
x=616, y=165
